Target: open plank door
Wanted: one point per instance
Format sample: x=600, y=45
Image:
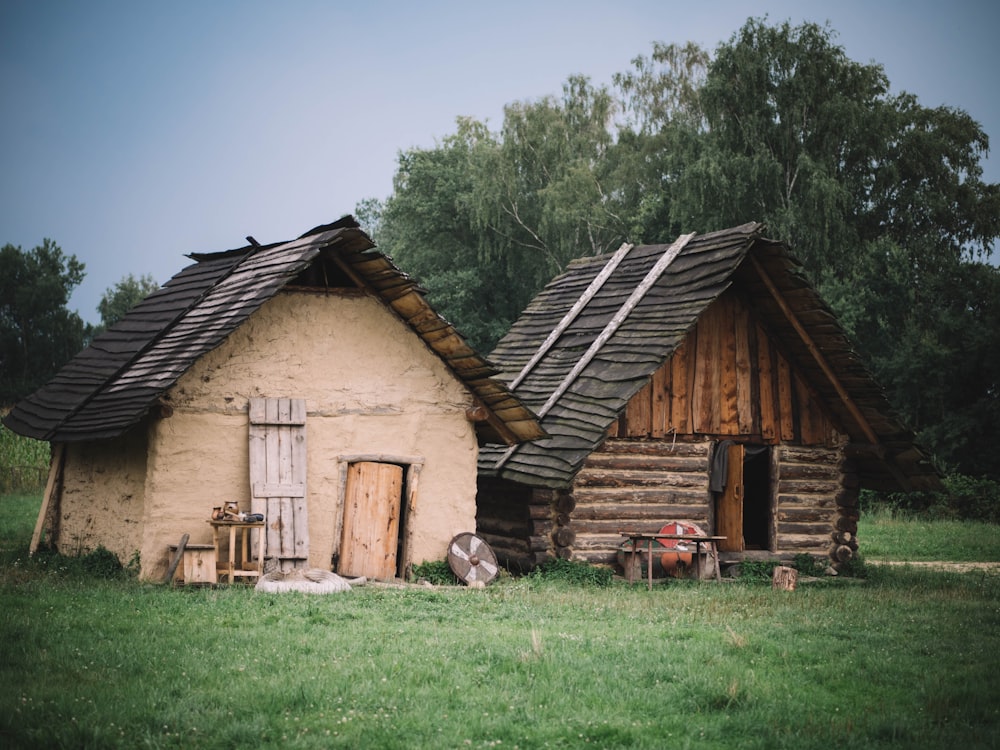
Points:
x=729, y=506
x=278, y=478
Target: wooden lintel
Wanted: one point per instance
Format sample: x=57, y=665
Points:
x=845, y=397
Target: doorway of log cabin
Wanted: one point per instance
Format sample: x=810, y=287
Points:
x=374, y=525
x=743, y=510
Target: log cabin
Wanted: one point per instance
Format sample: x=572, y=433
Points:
x=703, y=381
x=308, y=381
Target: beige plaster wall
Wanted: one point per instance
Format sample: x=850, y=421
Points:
x=371, y=387
x=101, y=503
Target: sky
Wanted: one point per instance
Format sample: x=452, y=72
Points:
x=133, y=132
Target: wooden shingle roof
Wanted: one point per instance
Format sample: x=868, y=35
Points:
x=113, y=383
x=595, y=335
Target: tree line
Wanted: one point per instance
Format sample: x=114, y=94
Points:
x=881, y=199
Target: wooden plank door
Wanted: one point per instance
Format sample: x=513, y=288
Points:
x=372, y=504
x=729, y=506
x=278, y=478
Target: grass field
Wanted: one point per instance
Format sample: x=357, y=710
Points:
x=902, y=658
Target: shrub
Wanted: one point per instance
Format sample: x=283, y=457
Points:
x=963, y=498
x=437, y=572
x=570, y=571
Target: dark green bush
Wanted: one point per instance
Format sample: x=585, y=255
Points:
x=570, y=571
x=964, y=498
x=437, y=572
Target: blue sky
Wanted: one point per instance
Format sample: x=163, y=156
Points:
x=135, y=132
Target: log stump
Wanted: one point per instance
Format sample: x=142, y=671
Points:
x=784, y=578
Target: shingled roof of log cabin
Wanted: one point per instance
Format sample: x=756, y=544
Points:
x=579, y=384
x=114, y=382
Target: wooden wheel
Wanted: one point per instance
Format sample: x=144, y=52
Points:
x=471, y=559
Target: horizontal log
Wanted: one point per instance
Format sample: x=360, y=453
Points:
x=596, y=557
x=805, y=515
x=592, y=541
x=808, y=486
x=564, y=553
x=643, y=525
x=817, y=542
x=539, y=511
x=499, y=542
x=808, y=455
x=539, y=543
x=622, y=478
x=643, y=495
x=658, y=447
x=502, y=527
x=541, y=528
x=809, y=471
x=806, y=501
x=645, y=462
x=616, y=511
x=811, y=529
x=562, y=519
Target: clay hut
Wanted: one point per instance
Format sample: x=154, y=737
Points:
x=307, y=380
x=702, y=381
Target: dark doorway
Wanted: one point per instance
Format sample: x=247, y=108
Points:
x=756, y=497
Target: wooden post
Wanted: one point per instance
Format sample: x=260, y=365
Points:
x=51, y=486
x=784, y=578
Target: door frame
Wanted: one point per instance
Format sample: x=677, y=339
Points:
x=412, y=466
x=734, y=493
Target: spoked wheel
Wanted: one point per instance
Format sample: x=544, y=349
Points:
x=471, y=559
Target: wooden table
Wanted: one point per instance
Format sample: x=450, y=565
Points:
x=244, y=567
x=636, y=537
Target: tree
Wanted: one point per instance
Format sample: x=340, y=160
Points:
x=122, y=297
x=38, y=335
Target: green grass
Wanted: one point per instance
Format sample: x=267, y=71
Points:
x=885, y=535
x=901, y=659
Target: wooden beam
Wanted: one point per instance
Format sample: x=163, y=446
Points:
x=588, y=294
x=55, y=476
x=845, y=397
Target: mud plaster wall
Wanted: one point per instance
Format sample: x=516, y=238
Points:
x=102, y=496
x=371, y=387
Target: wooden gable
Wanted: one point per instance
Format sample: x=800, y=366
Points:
x=729, y=377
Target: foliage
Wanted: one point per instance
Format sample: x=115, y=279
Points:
x=122, y=297
x=438, y=572
x=574, y=572
x=23, y=462
x=881, y=198
x=963, y=498
x=38, y=335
